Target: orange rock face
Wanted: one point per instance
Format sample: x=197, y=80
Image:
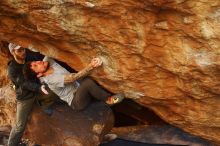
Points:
x=162, y=53
x=8, y=106
x=4, y=58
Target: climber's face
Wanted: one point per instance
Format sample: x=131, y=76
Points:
x=39, y=66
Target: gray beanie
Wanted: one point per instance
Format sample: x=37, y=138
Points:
x=12, y=47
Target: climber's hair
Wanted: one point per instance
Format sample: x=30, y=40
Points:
x=29, y=74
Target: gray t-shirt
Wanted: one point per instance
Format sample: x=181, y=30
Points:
x=55, y=82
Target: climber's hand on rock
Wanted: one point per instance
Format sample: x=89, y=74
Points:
x=96, y=62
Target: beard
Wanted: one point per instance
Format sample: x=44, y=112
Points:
x=19, y=58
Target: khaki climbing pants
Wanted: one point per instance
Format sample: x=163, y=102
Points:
x=23, y=109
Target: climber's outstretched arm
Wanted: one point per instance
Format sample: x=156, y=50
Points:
x=71, y=77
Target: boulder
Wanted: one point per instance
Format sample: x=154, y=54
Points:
x=65, y=127
x=164, y=54
x=159, y=134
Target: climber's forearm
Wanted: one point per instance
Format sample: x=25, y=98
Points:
x=68, y=78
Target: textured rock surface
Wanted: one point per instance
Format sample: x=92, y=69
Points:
x=166, y=51
x=4, y=58
x=68, y=128
x=64, y=127
x=159, y=135
x=7, y=106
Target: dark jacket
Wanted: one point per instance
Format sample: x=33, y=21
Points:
x=24, y=89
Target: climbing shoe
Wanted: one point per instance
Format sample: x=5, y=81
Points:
x=117, y=98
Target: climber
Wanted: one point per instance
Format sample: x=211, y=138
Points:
x=74, y=88
x=26, y=91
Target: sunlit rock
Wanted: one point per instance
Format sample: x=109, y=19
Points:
x=173, y=71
